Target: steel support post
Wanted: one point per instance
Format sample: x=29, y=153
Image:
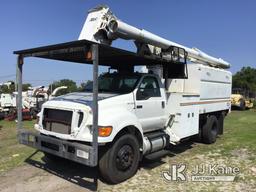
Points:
x=95, y=57
x=20, y=61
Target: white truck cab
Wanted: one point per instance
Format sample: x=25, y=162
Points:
x=132, y=99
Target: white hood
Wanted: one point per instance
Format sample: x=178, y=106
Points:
x=82, y=97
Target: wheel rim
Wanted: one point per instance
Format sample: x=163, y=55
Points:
x=124, y=158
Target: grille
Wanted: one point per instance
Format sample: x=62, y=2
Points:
x=58, y=121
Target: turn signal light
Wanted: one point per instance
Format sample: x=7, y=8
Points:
x=88, y=55
x=105, y=131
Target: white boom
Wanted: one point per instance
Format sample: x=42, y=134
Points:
x=103, y=26
x=55, y=91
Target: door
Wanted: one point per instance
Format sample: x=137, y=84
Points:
x=150, y=104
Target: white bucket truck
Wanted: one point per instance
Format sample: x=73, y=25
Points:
x=134, y=114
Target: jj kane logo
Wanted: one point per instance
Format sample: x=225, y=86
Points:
x=215, y=172
x=176, y=173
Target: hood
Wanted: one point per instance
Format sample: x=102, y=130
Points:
x=84, y=98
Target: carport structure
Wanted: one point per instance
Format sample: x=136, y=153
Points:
x=87, y=52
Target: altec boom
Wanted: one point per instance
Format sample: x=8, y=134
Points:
x=103, y=26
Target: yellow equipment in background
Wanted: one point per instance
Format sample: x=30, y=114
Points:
x=239, y=101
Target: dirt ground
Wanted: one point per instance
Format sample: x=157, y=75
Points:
x=68, y=176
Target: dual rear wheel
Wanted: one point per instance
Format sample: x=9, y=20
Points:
x=211, y=127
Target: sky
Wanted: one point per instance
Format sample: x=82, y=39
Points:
x=221, y=28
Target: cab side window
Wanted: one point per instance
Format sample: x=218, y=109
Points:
x=149, y=87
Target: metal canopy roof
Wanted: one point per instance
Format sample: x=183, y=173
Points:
x=80, y=52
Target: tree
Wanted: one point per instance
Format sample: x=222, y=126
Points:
x=64, y=82
x=82, y=86
x=245, y=79
x=8, y=87
x=26, y=86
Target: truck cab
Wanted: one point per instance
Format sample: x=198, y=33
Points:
x=125, y=99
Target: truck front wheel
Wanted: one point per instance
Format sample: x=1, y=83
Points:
x=120, y=160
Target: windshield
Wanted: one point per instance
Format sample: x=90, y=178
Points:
x=115, y=83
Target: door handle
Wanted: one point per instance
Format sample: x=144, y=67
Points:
x=139, y=106
x=163, y=104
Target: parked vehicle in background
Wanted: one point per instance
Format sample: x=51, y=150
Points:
x=7, y=102
x=240, y=100
x=32, y=100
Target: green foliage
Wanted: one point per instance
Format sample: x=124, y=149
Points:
x=5, y=89
x=11, y=88
x=64, y=82
x=254, y=103
x=26, y=86
x=245, y=79
x=8, y=87
x=72, y=87
x=82, y=86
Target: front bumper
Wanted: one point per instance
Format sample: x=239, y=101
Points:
x=73, y=151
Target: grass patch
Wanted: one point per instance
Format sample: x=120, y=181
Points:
x=239, y=134
x=12, y=154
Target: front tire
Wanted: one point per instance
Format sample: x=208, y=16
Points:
x=120, y=161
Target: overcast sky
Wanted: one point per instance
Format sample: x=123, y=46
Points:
x=221, y=28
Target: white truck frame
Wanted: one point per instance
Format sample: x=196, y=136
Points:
x=169, y=102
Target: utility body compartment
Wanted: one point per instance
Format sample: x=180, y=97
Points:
x=206, y=90
x=212, y=85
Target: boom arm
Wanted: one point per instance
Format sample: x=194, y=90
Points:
x=55, y=91
x=104, y=27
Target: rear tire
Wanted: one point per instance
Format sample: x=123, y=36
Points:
x=210, y=130
x=120, y=161
x=221, y=118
